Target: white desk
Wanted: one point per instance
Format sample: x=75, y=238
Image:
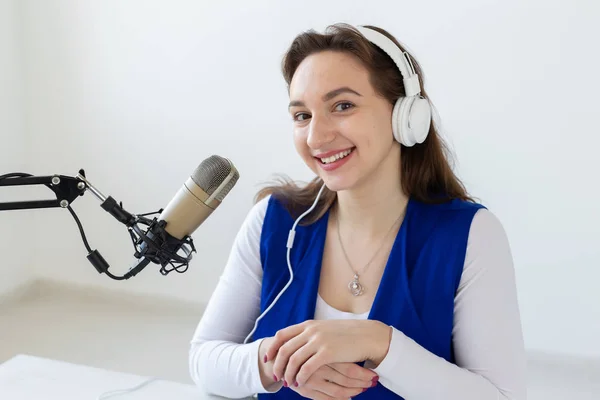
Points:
x=26, y=377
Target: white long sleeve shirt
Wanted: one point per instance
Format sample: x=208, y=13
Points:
x=487, y=336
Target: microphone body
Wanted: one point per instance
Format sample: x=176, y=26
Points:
x=193, y=203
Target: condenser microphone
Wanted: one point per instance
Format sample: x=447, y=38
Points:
x=195, y=201
x=167, y=236
x=199, y=196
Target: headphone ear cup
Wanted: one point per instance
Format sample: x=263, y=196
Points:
x=419, y=119
x=397, y=128
x=402, y=131
x=411, y=119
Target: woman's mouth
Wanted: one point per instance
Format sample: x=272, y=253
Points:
x=336, y=160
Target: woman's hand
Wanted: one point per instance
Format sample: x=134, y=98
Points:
x=265, y=368
x=300, y=350
x=337, y=381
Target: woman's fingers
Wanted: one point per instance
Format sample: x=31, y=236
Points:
x=286, y=352
x=281, y=337
x=355, y=372
x=328, y=383
x=336, y=391
x=309, y=366
x=341, y=376
x=299, y=361
x=313, y=394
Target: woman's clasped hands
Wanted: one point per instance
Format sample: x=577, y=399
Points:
x=317, y=358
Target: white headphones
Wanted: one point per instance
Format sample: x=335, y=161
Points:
x=411, y=117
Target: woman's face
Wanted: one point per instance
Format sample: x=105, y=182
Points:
x=342, y=127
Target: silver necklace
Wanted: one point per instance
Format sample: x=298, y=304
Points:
x=354, y=286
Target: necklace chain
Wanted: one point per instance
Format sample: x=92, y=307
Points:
x=355, y=287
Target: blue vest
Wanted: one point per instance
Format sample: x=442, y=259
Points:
x=417, y=290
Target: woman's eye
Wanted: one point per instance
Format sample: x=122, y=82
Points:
x=300, y=116
x=344, y=106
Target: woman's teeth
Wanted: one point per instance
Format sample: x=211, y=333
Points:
x=336, y=157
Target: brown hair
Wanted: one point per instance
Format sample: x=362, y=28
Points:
x=425, y=169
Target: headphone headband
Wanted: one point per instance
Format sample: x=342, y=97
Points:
x=402, y=60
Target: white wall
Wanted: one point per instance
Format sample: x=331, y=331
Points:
x=139, y=92
x=15, y=256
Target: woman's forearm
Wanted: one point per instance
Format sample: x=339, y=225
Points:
x=225, y=368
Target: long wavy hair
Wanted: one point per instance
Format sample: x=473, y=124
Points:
x=426, y=173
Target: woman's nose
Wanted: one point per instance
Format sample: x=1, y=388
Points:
x=320, y=132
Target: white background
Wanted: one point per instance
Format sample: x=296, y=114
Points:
x=138, y=93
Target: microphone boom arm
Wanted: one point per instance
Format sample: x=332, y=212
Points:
x=66, y=189
x=155, y=245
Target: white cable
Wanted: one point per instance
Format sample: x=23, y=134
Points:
x=289, y=245
x=112, y=393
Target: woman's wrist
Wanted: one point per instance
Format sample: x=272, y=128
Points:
x=380, y=336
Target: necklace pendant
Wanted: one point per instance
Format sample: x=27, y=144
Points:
x=355, y=287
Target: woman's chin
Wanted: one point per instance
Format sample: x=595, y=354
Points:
x=337, y=183
x=337, y=179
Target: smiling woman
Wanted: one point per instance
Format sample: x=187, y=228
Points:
x=381, y=278
x=357, y=79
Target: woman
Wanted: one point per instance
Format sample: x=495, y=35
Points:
x=397, y=284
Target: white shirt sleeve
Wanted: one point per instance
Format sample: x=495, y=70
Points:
x=219, y=361
x=487, y=337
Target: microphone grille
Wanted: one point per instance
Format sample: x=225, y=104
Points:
x=212, y=172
